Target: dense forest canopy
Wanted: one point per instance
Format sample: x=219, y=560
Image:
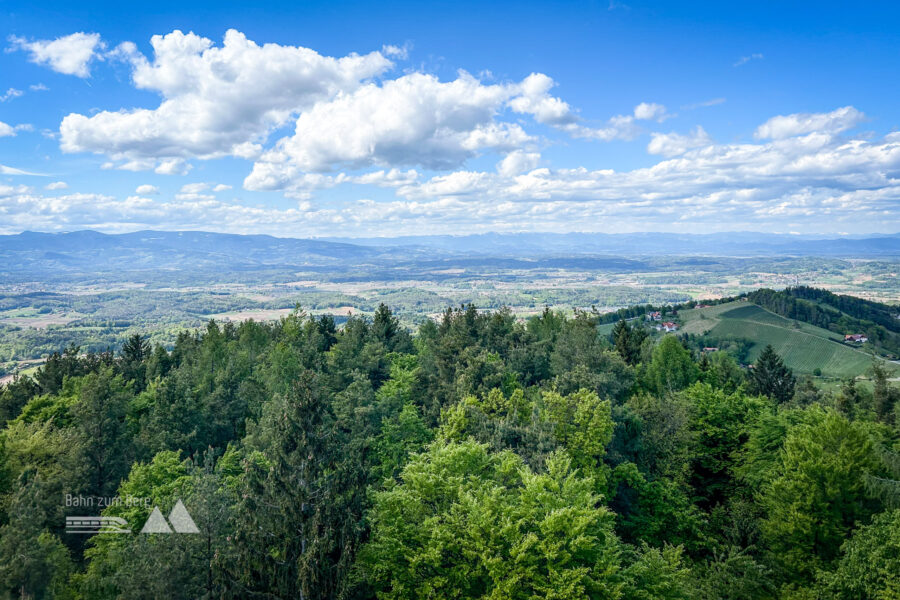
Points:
x=483, y=457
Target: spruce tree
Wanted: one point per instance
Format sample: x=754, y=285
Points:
x=628, y=340
x=278, y=550
x=136, y=348
x=103, y=444
x=885, y=396
x=770, y=377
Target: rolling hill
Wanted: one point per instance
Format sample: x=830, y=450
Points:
x=803, y=347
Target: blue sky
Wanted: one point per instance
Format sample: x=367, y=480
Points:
x=351, y=118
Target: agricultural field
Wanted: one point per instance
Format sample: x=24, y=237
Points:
x=805, y=348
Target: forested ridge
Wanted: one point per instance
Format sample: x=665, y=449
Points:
x=482, y=457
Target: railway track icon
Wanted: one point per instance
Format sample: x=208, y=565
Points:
x=92, y=525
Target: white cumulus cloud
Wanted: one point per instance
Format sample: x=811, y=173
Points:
x=69, y=54
x=415, y=119
x=650, y=111
x=216, y=100
x=533, y=98
x=172, y=166
x=814, y=181
x=621, y=127
x=56, y=185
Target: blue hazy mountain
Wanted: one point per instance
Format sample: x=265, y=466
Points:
x=642, y=244
x=86, y=252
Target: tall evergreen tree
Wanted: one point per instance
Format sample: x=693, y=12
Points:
x=327, y=329
x=136, y=348
x=387, y=328
x=628, y=340
x=135, y=351
x=280, y=550
x=103, y=442
x=771, y=377
x=885, y=397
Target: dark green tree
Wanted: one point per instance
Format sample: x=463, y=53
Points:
x=136, y=348
x=386, y=328
x=135, y=352
x=101, y=432
x=628, y=341
x=34, y=564
x=295, y=526
x=14, y=395
x=770, y=377
x=885, y=397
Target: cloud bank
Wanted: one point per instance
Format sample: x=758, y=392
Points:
x=466, y=153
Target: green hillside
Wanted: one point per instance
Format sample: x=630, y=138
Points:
x=804, y=347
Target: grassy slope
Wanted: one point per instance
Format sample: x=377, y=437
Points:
x=804, y=347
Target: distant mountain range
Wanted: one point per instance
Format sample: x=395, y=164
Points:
x=643, y=244
x=172, y=250
x=90, y=252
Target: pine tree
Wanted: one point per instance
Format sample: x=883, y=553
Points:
x=887, y=488
x=770, y=377
x=387, y=329
x=326, y=327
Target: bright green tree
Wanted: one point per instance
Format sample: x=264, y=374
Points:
x=818, y=493
x=583, y=426
x=869, y=566
x=721, y=422
x=671, y=367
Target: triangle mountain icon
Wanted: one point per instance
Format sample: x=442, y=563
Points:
x=181, y=521
x=156, y=523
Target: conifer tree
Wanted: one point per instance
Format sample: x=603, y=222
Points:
x=282, y=549
x=770, y=377
x=885, y=397
x=628, y=341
